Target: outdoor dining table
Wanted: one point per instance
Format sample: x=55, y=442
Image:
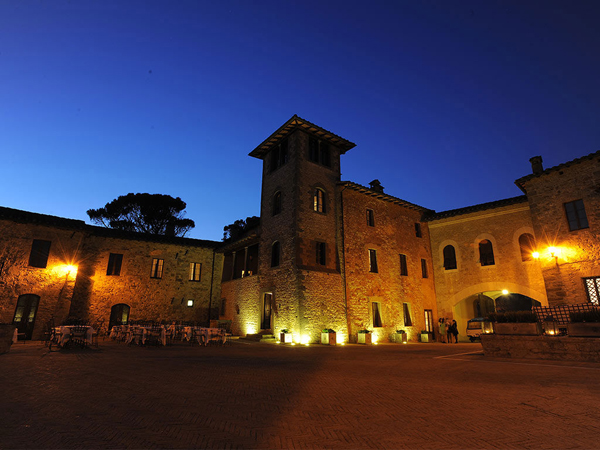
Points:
x=204, y=335
x=141, y=334
x=64, y=334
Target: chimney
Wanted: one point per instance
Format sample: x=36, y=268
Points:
x=376, y=186
x=536, y=165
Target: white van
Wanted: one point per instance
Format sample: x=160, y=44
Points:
x=478, y=326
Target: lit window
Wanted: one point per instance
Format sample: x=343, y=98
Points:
x=592, y=287
x=321, y=254
x=373, y=261
x=403, y=266
x=157, y=268
x=195, y=271
x=319, y=201
x=576, y=215
x=370, y=218
x=449, y=257
x=115, y=260
x=486, y=253
x=275, y=254
x=377, y=322
x=407, y=318
x=527, y=246
x=424, y=268
x=190, y=303
x=39, y=253
x=277, y=203
x=429, y=320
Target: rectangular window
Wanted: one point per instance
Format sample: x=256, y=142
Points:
x=325, y=155
x=190, y=303
x=313, y=150
x=373, y=261
x=576, y=215
x=377, y=322
x=592, y=287
x=39, y=253
x=429, y=320
x=418, y=230
x=407, y=318
x=195, y=271
x=424, y=268
x=370, y=218
x=403, y=266
x=321, y=254
x=115, y=260
x=157, y=268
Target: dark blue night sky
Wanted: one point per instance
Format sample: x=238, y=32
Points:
x=446, y=100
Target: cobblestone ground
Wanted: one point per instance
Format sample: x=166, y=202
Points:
x=250, y=395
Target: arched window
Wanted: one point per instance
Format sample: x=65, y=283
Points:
x=449, y=257
x=277, y=203
x=486, y=253
x=275, y=254
x=319, y=200
x=527, y=246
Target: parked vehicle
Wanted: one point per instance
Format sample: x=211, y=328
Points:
x=478, y=326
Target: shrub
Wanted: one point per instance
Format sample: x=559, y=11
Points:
x=328, y=330
x=592, y=315
x=364, y=331
x=285, y=331
x=513, y=317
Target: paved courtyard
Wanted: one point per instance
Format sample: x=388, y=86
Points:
x=251, y=395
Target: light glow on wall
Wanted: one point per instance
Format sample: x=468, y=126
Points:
x=65, y=270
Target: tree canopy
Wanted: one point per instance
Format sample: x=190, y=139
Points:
x=146, y=213
x=239, y=227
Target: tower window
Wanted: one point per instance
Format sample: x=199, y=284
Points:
x=157, y=268
x=275, y=254
x=373, y=261
x=321, y=253
x=195, y=271
x=403, y=266
x=527, y=246
x=277, y=203
x=279, y=155
x=424, y=268
x=319, y=201
x=318, y=152
x=418, y=232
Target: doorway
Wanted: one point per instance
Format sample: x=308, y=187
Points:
x=267, y=308
x=24, y=319
x=119, y=315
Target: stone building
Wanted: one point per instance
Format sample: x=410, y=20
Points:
x=327, y=254
x=565, y=214
x=52, y=268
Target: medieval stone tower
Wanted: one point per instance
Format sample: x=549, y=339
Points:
x=300, y=284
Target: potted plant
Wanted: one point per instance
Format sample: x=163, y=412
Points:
x=516, y=323
x=7, y=334
x=425, y=336
x=400, y=337
x=584, y=324
x=328, y=337
x=285, y=336
x=364, y=337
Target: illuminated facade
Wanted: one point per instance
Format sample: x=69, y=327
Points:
x=327, y=254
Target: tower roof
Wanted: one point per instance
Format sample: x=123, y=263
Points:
x=298, y=123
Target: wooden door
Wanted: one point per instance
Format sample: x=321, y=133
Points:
x=266, y=316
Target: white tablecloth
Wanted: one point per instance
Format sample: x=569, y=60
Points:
x=64, y=334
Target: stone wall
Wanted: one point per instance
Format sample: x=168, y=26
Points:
x=562, y=348
x=53, y=284
x=243, y=304
x=393, y=234
x=149, y=298
x=502, y=225
x=579, y=255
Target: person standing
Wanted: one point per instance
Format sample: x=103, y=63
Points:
x=454, y=330
x=442, y=329
x=448, y=331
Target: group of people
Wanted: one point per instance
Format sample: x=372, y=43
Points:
x=448, y=330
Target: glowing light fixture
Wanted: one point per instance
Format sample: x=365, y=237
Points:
x=305, y=339
x=536, y=255
x=504, y=291
x=554, y=252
